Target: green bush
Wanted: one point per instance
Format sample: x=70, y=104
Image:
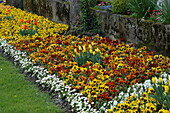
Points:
x=89, y=21
x=162, y=94
x=140, y=8
x=119, y=6
x=30, y=31
x=9, y=17
x=165, y=8
x=88, y=56
x=92, y=3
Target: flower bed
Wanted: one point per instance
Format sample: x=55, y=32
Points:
x=93, y=74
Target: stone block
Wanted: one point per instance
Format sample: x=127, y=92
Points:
x=75, y=15
x=28, y=5
x=15, y=3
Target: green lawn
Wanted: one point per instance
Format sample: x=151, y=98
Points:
x=18, y=95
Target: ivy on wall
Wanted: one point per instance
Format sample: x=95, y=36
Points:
x=89, y=21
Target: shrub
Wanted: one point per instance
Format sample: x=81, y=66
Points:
x=25, y=30
x=165, y=8
x=88, y=56
x=155, y=16
x=140, y=8
x=89, y=21
x=9, y=17
x=119, y=6
x=162, y=93
x=92, y=3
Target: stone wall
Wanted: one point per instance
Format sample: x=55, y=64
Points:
x=141, y=33
x=16, y=3
x=66, y=12
x=55, y=10
x=75, y=13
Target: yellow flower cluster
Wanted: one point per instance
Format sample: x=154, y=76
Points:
x=144, y=104
x=22, y=19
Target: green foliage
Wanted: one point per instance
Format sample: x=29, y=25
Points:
x=89, y=21
x=141, y=7
x=160, y=95
x=30, y=31
x=155, y=16
x=9, y=17
x=87, y=56
x=27, y=32
x=92, y=3
x=119, y=6
x=165, y=8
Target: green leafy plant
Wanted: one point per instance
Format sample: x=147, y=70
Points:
x=9, y=17
x=162, y=94
x=119, y=6
x=165, y=8
x=89, y=21
x=87, y=56
x=140, y=8
x=30, y=31
x=155, y=16
x=92, y=3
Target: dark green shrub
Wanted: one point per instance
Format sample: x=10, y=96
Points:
x=92, y=3
x=119, y=6
x=27, y=32
x=9, y=17
x=162, y=94
x=87, y=56
x=140, y=8
x=30, y=31
x=165, y=8
x=89, y=21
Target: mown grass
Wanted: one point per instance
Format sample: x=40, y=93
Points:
x=18, y=95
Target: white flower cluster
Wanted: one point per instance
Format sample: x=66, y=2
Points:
x=76, y=100
x=18, y=56
x=137, y=89
x=81, y=103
